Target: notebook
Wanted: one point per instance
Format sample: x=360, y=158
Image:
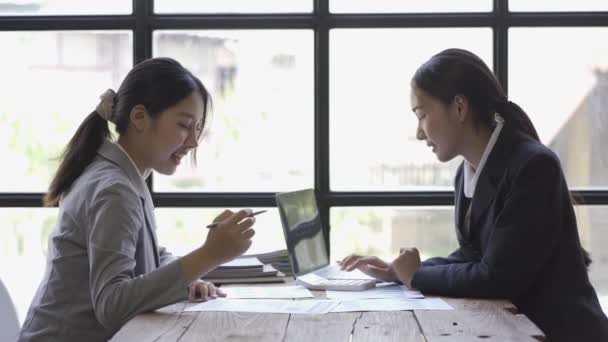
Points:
x=305, y=240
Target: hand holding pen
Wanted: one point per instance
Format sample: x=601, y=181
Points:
x=231, y=236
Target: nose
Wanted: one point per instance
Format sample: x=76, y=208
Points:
x=192, y=140
x=420, y=133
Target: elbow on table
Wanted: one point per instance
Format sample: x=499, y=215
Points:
x=506, y=284
x=109, y=311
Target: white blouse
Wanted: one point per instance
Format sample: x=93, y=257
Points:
x=470, y=174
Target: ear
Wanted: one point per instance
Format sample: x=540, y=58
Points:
x=139, y=118
x=461, y=105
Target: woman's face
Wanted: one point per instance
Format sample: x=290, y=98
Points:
x=174, y=133
x=437, y=124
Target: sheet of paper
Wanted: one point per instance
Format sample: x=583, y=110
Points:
x=390, y=291
x=242, y=262
x=391, y=305
x=311, y=306
x=274, y=292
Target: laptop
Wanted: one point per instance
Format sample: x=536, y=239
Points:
x=305, y=240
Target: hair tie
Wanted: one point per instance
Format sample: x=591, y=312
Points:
x=106, y=105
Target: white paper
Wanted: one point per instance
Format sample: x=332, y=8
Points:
x=274, y=292
x=242, y=262
x=311, y=306
x=390, y=291
x=392, y=305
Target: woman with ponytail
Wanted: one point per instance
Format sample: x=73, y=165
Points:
x=515, y=220
x=104, y=264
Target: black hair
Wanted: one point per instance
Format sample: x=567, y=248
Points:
x=455, y=72
x=157, y=84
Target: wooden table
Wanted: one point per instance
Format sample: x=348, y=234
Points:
x=472, y=320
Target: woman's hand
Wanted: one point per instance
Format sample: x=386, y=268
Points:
x=406, y=264
x=201, y=291
x=232, y=237
x=370, y=265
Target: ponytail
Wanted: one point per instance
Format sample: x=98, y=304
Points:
x=515, y=116
x=79, y=153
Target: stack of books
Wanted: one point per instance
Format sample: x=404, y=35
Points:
x=247, y=269
x=278, y=259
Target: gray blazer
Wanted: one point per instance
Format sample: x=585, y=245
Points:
x=104, y=265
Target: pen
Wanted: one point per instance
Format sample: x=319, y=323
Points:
x=213, y=225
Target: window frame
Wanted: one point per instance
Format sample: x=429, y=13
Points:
x=143, y=21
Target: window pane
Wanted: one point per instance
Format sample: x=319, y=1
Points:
x=381, y=231
x=64, y=7
x=55, y=82
x=24, y=236
x=417, y=6
x=593, y=229
x=564, y=89
x=261, y=133
x=372, y=127
x=557, y=5
x=232, y=6
x=181, y=230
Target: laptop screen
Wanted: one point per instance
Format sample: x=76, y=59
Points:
x=303, y=230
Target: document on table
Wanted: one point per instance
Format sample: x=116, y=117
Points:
x=311, y=306
x=391, y=305
x=274, y=292
x=390, y=291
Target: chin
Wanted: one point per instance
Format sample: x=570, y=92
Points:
x=443, y=158
x=167, y=171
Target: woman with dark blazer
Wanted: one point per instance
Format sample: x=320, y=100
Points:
x=515, y=221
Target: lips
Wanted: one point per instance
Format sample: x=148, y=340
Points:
x=177, y=157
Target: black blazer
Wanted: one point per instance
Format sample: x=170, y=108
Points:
x=523, y=244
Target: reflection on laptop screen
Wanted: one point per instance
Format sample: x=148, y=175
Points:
x=303, y=230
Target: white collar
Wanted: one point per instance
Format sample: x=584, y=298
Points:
x=470, y=174
x=145, y=175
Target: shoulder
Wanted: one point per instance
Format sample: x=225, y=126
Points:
x=531, y=155
x=102, y=180
x=112, y=198
x=530, y=165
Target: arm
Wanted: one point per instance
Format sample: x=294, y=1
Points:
x=524, y=236
x=165, y=257
x=115, y=220
x=454, y=258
